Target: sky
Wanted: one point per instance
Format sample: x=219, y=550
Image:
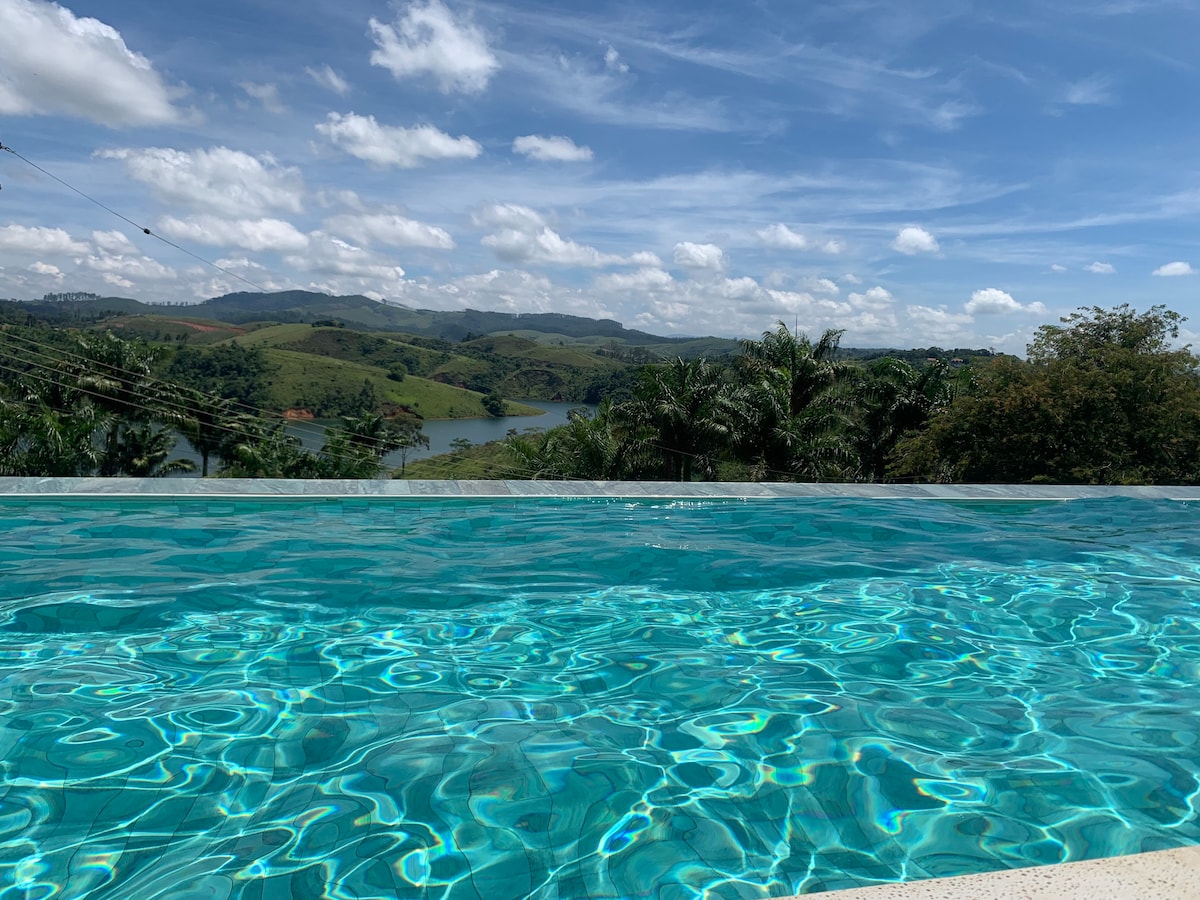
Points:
x=915, y=172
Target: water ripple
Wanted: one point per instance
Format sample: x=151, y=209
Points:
x=601, y=699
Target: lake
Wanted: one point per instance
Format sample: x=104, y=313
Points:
x=441, y=432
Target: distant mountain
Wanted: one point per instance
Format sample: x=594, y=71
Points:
x=448, y=325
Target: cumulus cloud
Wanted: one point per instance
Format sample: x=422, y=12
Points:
x=833, y=247
x=218, y=180
x=390, y=229
x=250, y=234
x=1174, y=269
x=1102, y=268
x=1055, y=267
x=429, y=40
x=36, y=239
x=548, y=246
x=387, y=145
x=58, y=64
x=508, y=215
x=782, y=237
x=642, y=281
x=914, y=239
x=112, y=242
x=876, y=298
x=993, y=301
x=125, y=267
x=328, y=255
x=699, y=256
x=327, y=78
x=551, y=149
x=41, y=268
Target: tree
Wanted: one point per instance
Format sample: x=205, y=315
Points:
x=356, y=448
x=892, y=399
x=685, y=411
x=794, y=418
x=493, y=404
x=1103, y=399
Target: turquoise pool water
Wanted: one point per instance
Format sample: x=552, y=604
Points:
x=563, y=699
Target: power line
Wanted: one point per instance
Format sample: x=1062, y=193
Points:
x=142, y=228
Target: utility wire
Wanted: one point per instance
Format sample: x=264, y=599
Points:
x=48, y=373
x=142, y=228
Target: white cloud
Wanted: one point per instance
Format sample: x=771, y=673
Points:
x=1055, y=267
x=914, y=239
x=612, y=61
x=57, y=64
x=993, y=301
x=390, y=229
x=876, y=298
x=551, y=149
x=782, y=237
x=833, y=247
x=36, y=239
x=1095, y=90
x=218, y=180
x=112, y=242
x=699, y=256
x=508, y=215
x=548, y=246
x=329, y=255
x=1102, y=268
x=41, y=268
x=140, y=267
x=826, y=286
x=386, y=145
x=1173, y=269
x=642, y=281
x=327, y=78
x=266, y=94
x=850, y=278
x=429, y=40
x=249, y=234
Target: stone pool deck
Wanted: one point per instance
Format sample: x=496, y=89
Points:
x=261, y=487
x=1162, y=875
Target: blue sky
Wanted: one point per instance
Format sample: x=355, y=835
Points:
x=914, y=171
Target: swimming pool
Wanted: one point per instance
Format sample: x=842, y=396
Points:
x=600, y=698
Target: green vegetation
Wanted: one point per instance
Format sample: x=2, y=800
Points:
x=1104, y=397
x=77, y=404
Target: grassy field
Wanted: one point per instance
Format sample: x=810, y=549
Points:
x=172, y=329
x=484, y=461
x=302, y=378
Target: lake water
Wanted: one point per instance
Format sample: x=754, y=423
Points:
x=441, y=432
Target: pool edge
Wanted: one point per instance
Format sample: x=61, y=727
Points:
x=1157, y=875
x=230, y=487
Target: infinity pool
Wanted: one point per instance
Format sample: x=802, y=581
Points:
x=564, y=698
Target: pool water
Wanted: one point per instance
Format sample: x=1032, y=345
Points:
x=565, y=698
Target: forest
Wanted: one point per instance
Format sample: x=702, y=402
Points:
x=1103, y=397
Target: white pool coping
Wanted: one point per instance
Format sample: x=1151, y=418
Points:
x=261, y=487
x=1161, y=875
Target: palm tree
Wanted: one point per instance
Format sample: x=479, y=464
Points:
x=795, y=415
x=896, y=398
x=207, y=427
x=685, y=411
x=143, y=452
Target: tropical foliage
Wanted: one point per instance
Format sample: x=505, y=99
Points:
x=90, y=404
x=1105, y=396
